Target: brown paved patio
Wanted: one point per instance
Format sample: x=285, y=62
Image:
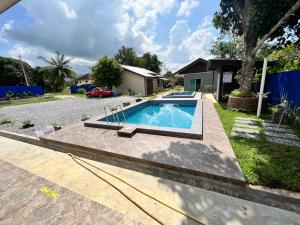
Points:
x=22, y=202
x=212, y=156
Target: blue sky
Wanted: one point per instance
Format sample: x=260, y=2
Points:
x=178, y=31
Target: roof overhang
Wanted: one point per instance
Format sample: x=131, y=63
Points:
x=6, y=4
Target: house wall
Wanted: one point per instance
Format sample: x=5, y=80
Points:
x=132, y=81
x=79, y=82
x=208, y=80
x=155, y=85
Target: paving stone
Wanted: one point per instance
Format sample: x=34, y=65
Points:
x=245, y=130
x=283, y=141
x=245, y=135
x=274, y=129
x=268, y=123
x=282, y=135
x=242, y=125
x=249, y=122
x=22, y=202
x=246, y=118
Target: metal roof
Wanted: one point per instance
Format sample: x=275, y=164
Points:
x=140, y=71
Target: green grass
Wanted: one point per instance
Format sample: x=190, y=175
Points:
x=27, y=101
x=262, y=162
x=65, y=91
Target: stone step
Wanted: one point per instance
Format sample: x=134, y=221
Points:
x=268, y=123
x=274, y=129
x=282, y=135
x=245, y=130
x=245, y=135
x=242, y=125
x=246, y=118
x=249, y=122
x=283, y=141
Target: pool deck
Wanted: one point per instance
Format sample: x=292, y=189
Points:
x=211, y=157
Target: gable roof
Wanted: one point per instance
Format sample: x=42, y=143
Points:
x=191, y=64
x=140, y=71
x=85, y=77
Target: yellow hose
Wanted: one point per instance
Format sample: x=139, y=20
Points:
x=75, y=158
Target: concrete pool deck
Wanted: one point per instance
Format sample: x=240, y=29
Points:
x=211, y=157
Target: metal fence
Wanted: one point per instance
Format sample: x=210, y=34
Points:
x=21, y=90
x=284, y=85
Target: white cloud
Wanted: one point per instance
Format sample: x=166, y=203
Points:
x=30, y=55
x=186, y=7
x=70, y=13
x=186, y=45
x=3, y=30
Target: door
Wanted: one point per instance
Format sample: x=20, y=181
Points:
x=149, y=84
x=198, y=84
x=192, y=85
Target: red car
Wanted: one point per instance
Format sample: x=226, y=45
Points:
x=97, y=92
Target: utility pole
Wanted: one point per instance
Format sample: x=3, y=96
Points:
x=24, y=73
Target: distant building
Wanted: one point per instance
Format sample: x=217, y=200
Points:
x=85, y=79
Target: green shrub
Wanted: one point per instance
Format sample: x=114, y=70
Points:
x=239, y=93
x=5, y=121
x=27, y=124
x=81, y=91
x=9, y=94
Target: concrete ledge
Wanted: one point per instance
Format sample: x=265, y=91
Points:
x=273, y=197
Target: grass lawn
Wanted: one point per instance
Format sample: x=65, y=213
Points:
x=66, y=91
x=262, y=162
x=27, y=101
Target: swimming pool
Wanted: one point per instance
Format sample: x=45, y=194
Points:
x=180, y=94
x=179, y=118
x=177, y=115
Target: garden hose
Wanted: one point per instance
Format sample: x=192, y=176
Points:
x=77, y=159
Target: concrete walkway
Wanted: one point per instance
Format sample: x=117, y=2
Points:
x=209, y=207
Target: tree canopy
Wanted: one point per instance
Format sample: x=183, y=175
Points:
x=107, y=72
x=11, y=72
x=256, y=21
x=230, y=49
x=57, y=71
x=127, y=56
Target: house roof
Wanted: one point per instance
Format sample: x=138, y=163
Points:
x=190, y=65
x=140, y=71
x=85, y=77
x=214, y=64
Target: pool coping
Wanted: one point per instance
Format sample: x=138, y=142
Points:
x=179, y=96
x=195, y=132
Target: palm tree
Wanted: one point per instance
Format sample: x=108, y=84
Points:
x=57, y=71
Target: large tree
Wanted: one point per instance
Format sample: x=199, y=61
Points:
x=126, y=56
x=11, y=72
x=230, y=49
x=57, y=71
x=257, y=21
x=107, y=72
x=150, y=62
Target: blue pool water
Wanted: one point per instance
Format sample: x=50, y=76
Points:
x=164, y=114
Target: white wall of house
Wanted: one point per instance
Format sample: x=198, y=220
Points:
x=80, y=82
x=132, y=81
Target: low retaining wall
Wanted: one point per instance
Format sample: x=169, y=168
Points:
x=273, y=197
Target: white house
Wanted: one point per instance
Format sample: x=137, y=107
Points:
x=85, y=79
x=138, y=81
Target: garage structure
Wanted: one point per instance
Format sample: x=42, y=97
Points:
x=138, y=81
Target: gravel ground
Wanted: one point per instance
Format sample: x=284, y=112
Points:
x=64, y=112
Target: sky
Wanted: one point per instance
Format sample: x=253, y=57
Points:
x=178, y=31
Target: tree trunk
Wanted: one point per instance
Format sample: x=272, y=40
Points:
x=248, y=64
x=245, y=10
